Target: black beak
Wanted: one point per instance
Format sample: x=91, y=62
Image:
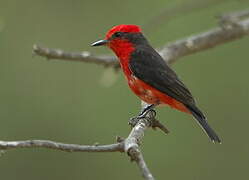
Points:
x=100, y=43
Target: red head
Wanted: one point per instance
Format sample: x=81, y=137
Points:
x=123, y=28
x=122, y=39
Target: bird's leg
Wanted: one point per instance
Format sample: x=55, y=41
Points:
x=148, y=108
x=154, y=123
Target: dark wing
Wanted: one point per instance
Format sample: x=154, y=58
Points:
x=147, y=65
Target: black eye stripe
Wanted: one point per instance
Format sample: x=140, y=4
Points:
x=117, y=34
x=135, y=38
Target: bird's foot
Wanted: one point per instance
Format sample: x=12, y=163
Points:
x=149, y=114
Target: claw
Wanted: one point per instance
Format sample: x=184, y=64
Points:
x=144, y=114
x=134, y=120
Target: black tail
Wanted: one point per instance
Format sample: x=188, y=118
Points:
x=199, y=116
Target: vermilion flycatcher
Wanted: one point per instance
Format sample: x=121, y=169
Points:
x=149, y=76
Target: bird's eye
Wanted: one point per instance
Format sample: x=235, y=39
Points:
x=117, y=34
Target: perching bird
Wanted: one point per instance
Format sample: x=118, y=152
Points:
x=149, y=76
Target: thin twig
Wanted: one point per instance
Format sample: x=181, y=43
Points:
x=183, y=8
x=237, y=14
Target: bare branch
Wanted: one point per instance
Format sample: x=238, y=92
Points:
x=231, y=29
x=204, y=41
x=6, y=145
x=84, y=56
x=130, y=145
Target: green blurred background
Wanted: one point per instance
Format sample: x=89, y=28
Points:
x=69, y=101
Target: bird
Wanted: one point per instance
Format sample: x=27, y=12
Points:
x=149, y=76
